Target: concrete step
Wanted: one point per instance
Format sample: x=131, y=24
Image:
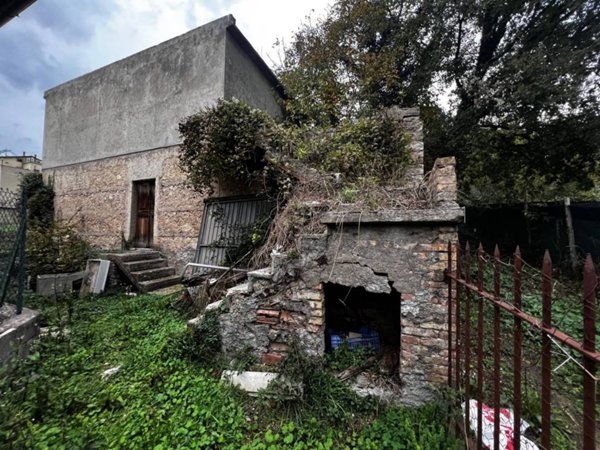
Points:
x=152, y=285
x=138, y=266
x=136, y=255
x=153, y=274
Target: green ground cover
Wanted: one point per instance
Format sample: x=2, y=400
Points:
x=166, y=396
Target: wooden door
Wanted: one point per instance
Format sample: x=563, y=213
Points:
x=144, y=214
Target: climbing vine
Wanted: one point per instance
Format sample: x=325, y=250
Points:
x=232, y=141
x=228, y=141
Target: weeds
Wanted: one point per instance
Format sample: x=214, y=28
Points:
x=166, y=394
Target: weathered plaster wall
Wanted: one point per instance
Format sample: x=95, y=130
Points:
x=96, y=197
x=136, y=103
x=410, y=258
x=388, y=251
x=244, y=81
x=287, y=301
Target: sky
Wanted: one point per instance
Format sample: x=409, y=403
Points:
x=54, y=41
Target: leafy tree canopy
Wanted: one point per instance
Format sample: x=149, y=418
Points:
x=510, y=87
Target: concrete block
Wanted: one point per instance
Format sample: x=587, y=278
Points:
x=17, y=333
x=251, y=382
x=59, y=284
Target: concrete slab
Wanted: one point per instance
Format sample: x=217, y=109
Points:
x=17, y=331
x=58, y=284
x=251, y=382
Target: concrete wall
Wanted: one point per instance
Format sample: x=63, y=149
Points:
x=136, y=104
x=244, y=80
x=96, y=197
x=10, y=177
x=13, y=168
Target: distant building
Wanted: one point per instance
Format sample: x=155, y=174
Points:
x=12, y=169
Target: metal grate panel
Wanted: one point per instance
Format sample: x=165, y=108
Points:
x=224, y=224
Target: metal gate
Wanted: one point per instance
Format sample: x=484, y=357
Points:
x=12, y=247
x=226, y=223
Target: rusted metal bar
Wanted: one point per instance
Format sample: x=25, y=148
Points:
x=590, y=281
x=467, y=334
x=458, y=335
x=517, y=350
x=534, y=321
x=449, y=316
x=479, y=347
x=546, y=350
x=496, y=350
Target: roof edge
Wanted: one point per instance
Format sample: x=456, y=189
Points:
x=241, y=40
x=225, y=22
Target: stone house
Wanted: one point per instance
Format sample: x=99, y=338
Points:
x=111, y=136
x=111, y=148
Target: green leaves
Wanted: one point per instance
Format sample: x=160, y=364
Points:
x=161, y=399
x=514, y=85
x=226, y=143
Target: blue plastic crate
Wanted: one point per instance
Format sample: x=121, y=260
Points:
x=365, y=342
x=369, y=339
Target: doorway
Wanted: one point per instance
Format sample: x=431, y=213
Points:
x=143, y=213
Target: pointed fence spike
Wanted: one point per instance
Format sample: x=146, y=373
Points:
x=547, y=258
x=590, y=281
x=496, y=252
x=546, y=390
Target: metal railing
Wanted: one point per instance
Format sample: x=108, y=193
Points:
x=13, y=220
x=501, y=351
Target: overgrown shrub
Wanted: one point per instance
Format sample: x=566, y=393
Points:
x=51, y=246
x=226, y=142
x=40, y=200
x=56, y=248
x=366, y=148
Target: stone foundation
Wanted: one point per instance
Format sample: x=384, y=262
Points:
x=97, y=198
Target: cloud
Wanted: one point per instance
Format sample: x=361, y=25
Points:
x=54, y=41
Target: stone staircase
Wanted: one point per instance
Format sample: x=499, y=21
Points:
x=146, y=269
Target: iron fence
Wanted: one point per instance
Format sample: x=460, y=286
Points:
x=12, y=248
x=522, y=351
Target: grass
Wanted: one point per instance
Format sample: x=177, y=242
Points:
x=162, y=398
x=567, y=391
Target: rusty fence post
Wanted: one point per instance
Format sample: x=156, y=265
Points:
x=496, y=349
x=449, y=280
x=480, y=347
x=467, y=336
x=590, y=281
x=546, y=350
x=517, y=350
x=458, y=335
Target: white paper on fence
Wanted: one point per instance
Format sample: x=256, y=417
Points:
x=506, y=427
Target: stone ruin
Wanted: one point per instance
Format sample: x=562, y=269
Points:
x=384, y=270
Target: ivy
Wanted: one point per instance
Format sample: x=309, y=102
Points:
x=226, y=142
x=232, y=142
